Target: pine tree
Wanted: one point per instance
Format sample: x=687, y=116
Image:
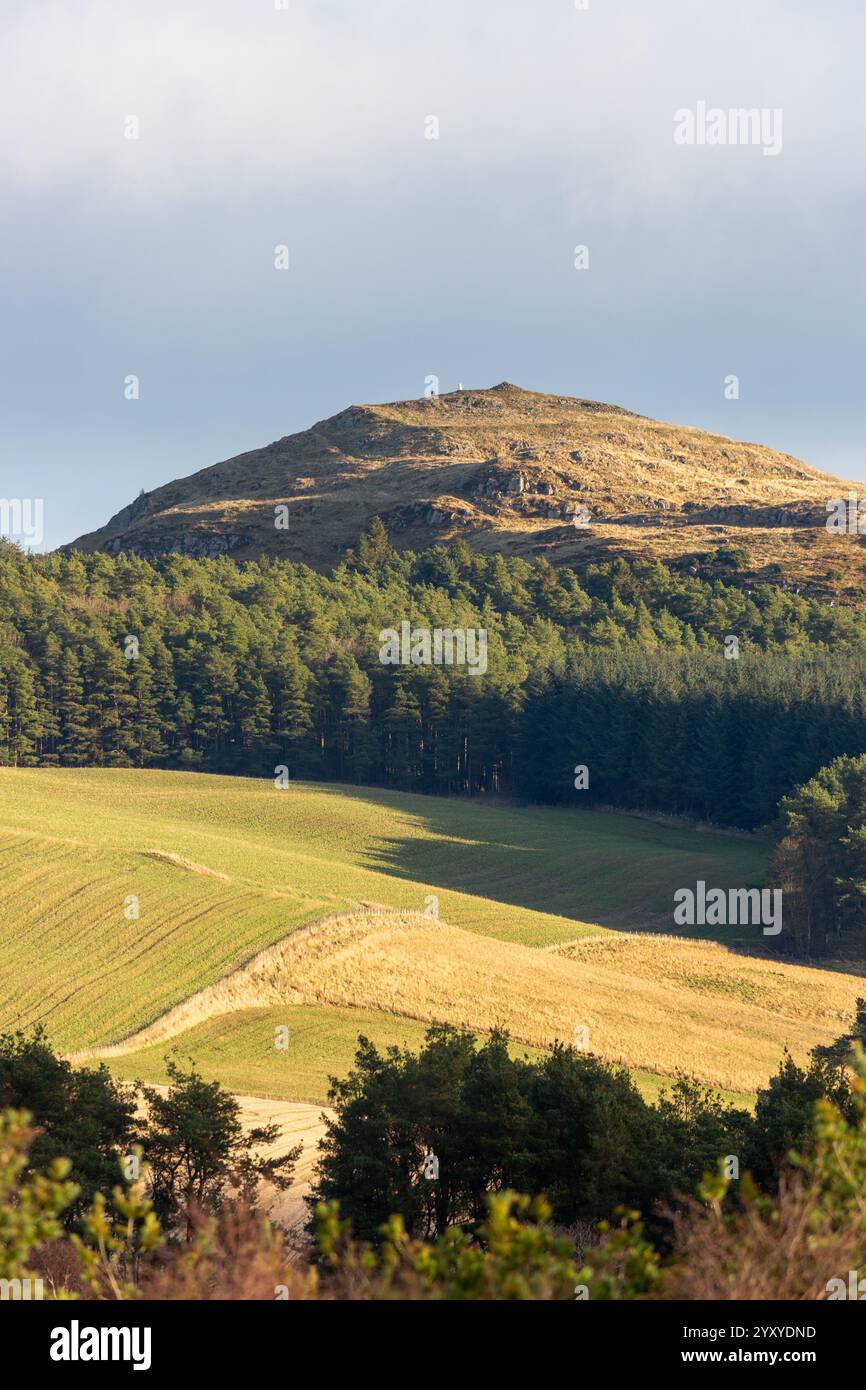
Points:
x=292, y=690
x=114, y=705
x=78, y=737
x=148, y=747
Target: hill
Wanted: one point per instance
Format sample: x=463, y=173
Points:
x=507, y=469
x=306, y=909
x=655, y=1004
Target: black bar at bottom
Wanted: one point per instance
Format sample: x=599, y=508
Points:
x=259, y=1339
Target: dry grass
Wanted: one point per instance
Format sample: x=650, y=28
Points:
x=659, y=1004
x=709, y=968
x=165, y=857
x=790, y=1258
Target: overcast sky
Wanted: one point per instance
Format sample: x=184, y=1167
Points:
x=409, y=256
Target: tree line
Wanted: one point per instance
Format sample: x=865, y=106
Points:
x=570, y=1126
x=240, y=668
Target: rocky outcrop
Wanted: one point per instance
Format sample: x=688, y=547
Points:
x=794, y=514
x=199, y=545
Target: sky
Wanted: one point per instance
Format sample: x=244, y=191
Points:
x=430, y=170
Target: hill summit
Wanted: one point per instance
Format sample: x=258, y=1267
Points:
x=510, y=470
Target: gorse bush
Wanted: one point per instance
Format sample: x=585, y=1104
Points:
x=31, y=1204
x=514, y=1254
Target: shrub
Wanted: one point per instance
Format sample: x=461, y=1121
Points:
x=82, y=1115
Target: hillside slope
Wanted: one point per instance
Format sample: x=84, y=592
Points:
x=508, y=470
x=653, y=1003
x=256, y=909
x=218, y=869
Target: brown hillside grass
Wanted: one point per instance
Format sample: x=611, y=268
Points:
x=505, y=469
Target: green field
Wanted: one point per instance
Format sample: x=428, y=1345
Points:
x=75, y=845
x=222, y=868
x=239, y=1052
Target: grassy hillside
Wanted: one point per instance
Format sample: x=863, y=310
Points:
x=239, y=1049
x=226, y=868
x=650, y=1002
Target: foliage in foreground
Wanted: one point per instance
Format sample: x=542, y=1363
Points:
x=803, y=1243
x=235, y=1253
x=190, y=1136
x=183, y=1222
x=806, y=1242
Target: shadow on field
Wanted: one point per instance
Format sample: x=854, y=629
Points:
x=603, y=867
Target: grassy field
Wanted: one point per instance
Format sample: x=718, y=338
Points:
x=652, y=1003
x=549, y=921
x=238, y=1050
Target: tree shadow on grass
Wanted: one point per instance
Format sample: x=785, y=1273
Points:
x=611, y=868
